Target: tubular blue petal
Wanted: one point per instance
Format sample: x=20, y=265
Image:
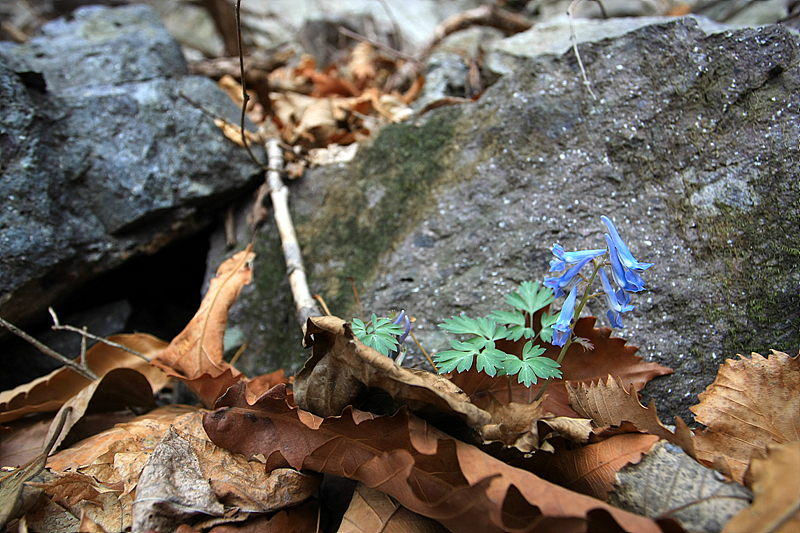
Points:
x=567, y=258
x=622, y=249
x=614, y=318
x=403, y=337
x=561, y=330
x=558, y=284
x=611, y=297
x=625, y=279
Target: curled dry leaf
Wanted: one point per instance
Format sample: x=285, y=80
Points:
x=775, y=480
x=752, y=403
x=609, y=404
x=188, y=479
x=340, y=367
x=426, y=470
x=669, y=483
x=610, y=356
x=115, y=397
x=371, y=510
x=195, y=355
x=50, y=392
x=116, y=457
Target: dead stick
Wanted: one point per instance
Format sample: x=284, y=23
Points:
x=57, y=326
x=72, y=365
x=305, y=305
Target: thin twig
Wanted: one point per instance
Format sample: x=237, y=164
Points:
x=321, y=301
x=358, y=300
x=72, y=365
x=574, y=40
x=245, y=96
x=428, y=357
x=305, y=305
x=395, y=25
x=57, y=326
x=386, y=48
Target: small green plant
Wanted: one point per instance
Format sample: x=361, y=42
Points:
x=504, y=325
x=381, y=333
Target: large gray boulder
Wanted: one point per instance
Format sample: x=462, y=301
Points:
x=103, y=159
x=691, y=148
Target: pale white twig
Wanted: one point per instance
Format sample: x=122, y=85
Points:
x=305, y=305
x=574, y=40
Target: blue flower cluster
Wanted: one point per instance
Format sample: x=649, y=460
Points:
x=624, y=271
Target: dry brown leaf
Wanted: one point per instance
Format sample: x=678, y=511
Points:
x=775, y=481
x=97, y=507
x=610, y=356
x=591, y=469
x=360, y=66
x=299, y=519
x=188, y=479
x=371, y=510
x=116, y=457
x=752, y=403
x=514, y=424
x=426, y=470
x=609, y=404
x=195, y=355
x=341, y=367
x=234, y=91
x=234, y=133
x=50, y=392
x=115, y=397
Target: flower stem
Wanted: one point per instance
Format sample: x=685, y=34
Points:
x=597, y=266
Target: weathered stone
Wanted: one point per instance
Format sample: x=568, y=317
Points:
x=691, y=148
x=103, y=158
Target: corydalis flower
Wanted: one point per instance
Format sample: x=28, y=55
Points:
x=568, y=258
x=559, y=284
x=401, y=339
x=626, y=279
x=624, y=253
x=562, y=329
x=616, y=301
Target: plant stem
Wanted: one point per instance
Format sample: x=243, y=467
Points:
x=597, y=266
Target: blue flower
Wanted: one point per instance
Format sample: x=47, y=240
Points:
x=626, y=279
x=567, y=258
x=615, y=306
x=401, y=339
x=558, y=284
x=561, y=330
x=625, y=255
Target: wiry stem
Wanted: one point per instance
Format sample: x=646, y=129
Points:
x=597, y=266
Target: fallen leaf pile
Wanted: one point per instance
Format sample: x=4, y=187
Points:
x=429, y=453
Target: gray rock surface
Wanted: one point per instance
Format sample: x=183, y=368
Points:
x=102, y=157
x=691, y=148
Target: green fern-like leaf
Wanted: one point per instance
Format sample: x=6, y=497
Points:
x=530, y=297
x=378, y=333
x=532, y=366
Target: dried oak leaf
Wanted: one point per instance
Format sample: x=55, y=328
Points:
x=341, y=367
x=610, y=356
x=426, y=470
x=609, y=404
x=50, y=392
x=195, y=355
x=371, y=510
x=591, y=469
x=775, y=481
x=752, y=403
